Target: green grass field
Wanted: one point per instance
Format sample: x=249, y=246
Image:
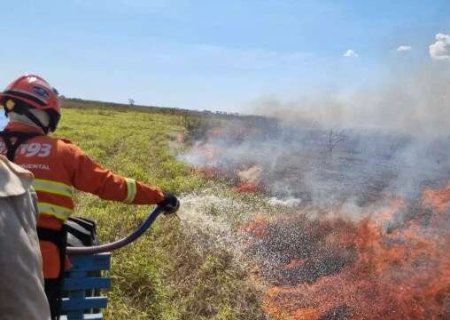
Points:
x=159, y=276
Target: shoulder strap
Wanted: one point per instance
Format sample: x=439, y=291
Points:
x=11, y=145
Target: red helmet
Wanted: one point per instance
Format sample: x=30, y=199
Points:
x=34, y=92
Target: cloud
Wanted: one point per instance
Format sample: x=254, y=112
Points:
x=350, y=54
x=440, y=50
x=404, y=48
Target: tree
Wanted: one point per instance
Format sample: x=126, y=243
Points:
x=334, y=138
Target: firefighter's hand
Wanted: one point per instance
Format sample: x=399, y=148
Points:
x=170, y=204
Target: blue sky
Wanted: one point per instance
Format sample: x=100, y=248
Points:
x=215, y=55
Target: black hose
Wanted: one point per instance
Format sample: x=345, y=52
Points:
x=75, y=251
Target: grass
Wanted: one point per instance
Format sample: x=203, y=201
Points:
x=159, y=276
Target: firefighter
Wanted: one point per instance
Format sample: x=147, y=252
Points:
x=58, y=165
x=22, y=293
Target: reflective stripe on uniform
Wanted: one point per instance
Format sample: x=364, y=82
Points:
x=131, y=190
x=61, y=213
x=54, y=187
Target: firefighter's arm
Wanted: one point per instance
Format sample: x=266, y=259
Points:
x=89, y=176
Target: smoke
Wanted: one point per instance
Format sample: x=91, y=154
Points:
x=314, y=166
x=347, y=150
x=330, y=155
x=350, y=216
x=350, y=200
x=414, y=101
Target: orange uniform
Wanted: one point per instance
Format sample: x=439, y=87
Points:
x=58, y=167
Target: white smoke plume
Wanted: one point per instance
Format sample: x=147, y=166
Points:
x=387, y=140
x=415, y=102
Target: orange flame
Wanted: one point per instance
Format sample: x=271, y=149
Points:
x=249, y=180
x=402, y=273
x=439, y=199
x=247, y=187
